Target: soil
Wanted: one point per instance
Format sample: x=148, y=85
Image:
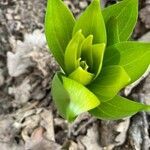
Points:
x=28, y=117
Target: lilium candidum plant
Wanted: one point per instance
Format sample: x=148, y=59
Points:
x=96, y=57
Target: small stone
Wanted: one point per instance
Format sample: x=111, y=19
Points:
x=83, y=5
x=17, y=17
x=1, y=77
x=9, y=17
x=147, y=2
x=144, y=15
x=145, y=37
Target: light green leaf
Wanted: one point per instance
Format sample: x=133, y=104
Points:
x=72, y=98
x=118, y=108
x=81, y=76
x=112, y=31
x=86, y=51
x=126, y=12
x=97, y=54
x=58, y=28
x=134, y=57
x=109, y=82
x=91, y=22
x=73, y=52
x=81, y=99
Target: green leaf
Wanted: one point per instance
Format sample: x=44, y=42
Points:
x=72, y=98
x=118, y=108
x=86, y=51
x=109, y=82
x=60, y=95
x=97, y=54
x=58, y=28
x=91, y=22
x=112, y=32
x=134, y=57
x=73, y=52
x=126, y=12
x=81, y=76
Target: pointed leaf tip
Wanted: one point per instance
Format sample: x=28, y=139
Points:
x=95, y=25
x=126, y=13
x=118, y=108
x=72, y=53
x=59, y=23
x=97, y=54
x=86, y=51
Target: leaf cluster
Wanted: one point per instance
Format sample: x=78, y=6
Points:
x=97, y=58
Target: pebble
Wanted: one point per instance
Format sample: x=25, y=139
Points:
x=147, y=2
x=9, y=17
x=1, y=78
x=83, y=4
x=145, y=37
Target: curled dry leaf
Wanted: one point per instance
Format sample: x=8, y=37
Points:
x=22, y=93
x=29, y=125
x=39, y=124
x=113, y=133
x=122, y=129
x=91, y=140
x=7, y=131
x=47, y=123
x=42, y=138
x=19, y=61
x=42, y=59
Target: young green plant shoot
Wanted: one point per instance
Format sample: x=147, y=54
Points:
x=96, y=57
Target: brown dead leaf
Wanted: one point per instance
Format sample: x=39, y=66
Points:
x=21, y=92
x=91, y=140
x=47, y=123
x=19, y=60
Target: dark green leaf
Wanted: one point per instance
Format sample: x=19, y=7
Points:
x=112, y=31
x=126, y=12
x=91, y=22
x=59, y=24
x=134, y=57
x=109, y=82
x=118, y=108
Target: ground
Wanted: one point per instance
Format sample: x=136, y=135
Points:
x=28, y=117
